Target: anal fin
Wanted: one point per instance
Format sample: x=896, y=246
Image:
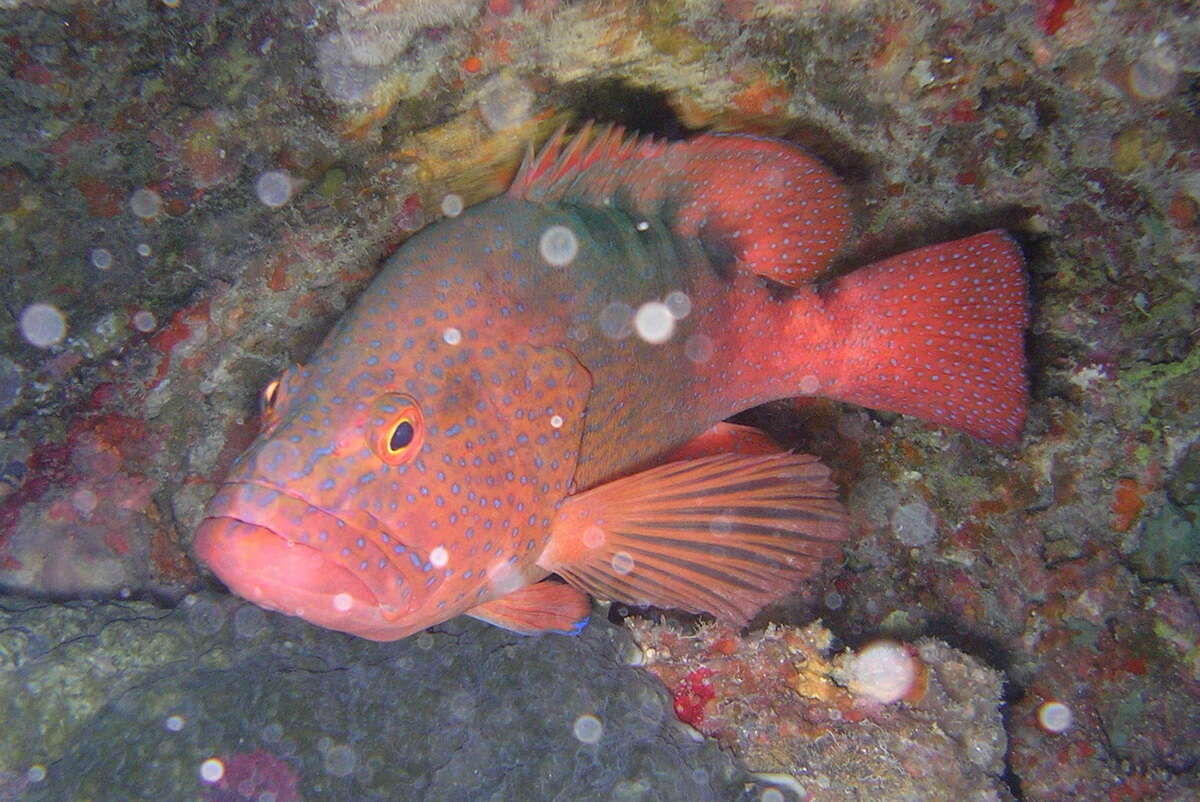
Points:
x=723, y=534
x=545, y=606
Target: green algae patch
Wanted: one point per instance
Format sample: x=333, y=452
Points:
x=1169, y=541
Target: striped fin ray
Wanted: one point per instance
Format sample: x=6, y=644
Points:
x=725, y=534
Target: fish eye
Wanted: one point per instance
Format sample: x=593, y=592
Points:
x=397, y=428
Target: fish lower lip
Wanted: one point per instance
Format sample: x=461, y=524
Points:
x=261, y=566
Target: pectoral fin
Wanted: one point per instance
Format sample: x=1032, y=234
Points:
x=546, y=606
x=724, y=534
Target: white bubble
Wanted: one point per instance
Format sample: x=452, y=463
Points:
x=340, y=760
x=43, y=325
x=622, y=562
x=452, y=205
x=144, y=321
x=884, y=671
x=452, y=336
x=1153, y=75
x=588, y=729
x=143, y=250
x=678, y=304
x=809, y=384
x=556, y=421
x=439, y=557
x=594, y=537
x=616, y=320
x=174, y=723
x=145, y=203
x=101, y=258
x=699, y=348
x=273, y=188
x=504, y=102
x=1054, y=717
x=84, y=500
x=36, y=773
x=642, y=225
x=212, y=770
x=558, y=246
x=654, y=322
x=249, y=620
x=833, y=600
x=914, y=525
x=343, y=602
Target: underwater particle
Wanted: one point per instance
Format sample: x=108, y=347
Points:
x=174, y=723
x=588, y=729
x=556, y=421
x=452, y=205
x=36, y=773
x=698, y=348
x=343, y=602
x=833, y=600
x=654, y=322
x=43, y=325
x=452, y=336
x=594, y=537
x=1054, y=717
x=145, y=203
x=143, y=250
x=771, y=795
x=622, y=562
x=171, y=3
x=84, y=501
x=678, y=304
x=504, y=102
x=212, y=770
x=439, y=557
x=558, y=246
x=273, y=188
x=425, y=641
x=913, y=524
x=883, y=672
x=616, y=320
x=340, y=760
x=101, y=258
x=248, y=621
x=809, y=385
x=1154, y=74
x=10, y=383
x=144, y=321
x=205, y=617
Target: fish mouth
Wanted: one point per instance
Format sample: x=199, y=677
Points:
x=241, y=542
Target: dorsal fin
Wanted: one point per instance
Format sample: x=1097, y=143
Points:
x=768, y=205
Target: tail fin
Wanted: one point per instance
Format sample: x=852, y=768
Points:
x=938, y=333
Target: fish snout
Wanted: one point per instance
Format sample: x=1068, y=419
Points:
x=259, y=565
x=281, y=553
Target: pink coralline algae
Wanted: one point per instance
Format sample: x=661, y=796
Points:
x=256, y=775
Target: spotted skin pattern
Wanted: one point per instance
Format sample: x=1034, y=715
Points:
x=425, y=461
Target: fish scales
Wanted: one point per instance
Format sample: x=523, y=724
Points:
x=487, y=413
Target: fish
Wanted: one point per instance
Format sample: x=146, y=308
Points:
x=528, y=405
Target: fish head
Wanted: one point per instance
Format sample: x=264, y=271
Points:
x=379, y=501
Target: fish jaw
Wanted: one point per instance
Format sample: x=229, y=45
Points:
x=320, y=574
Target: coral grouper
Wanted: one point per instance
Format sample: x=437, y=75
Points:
x=538, y=387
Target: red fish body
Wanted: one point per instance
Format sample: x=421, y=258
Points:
x=538, y=385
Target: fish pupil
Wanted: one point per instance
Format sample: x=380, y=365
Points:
x=402, y=435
